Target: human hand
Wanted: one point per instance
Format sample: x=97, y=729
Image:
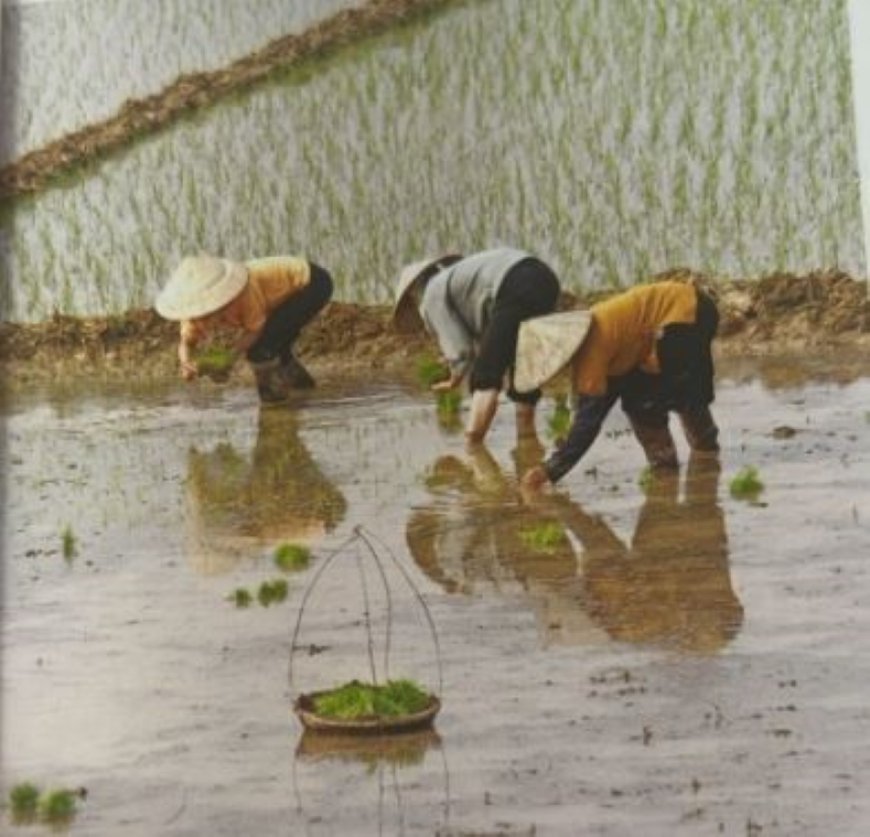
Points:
x=445, y=385
x=535, y=478
x=189, y=371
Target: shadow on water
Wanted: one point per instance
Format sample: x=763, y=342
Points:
x=670, y=586
x=236, y=504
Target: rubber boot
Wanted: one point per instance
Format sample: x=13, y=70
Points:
x=484, y=403
x=701, y=430
x=295, y=375
x=270, y=384
x=525, y=420
x=657, y=444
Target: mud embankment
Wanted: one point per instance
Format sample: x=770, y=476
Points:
x=192, y=91
x=826, y=314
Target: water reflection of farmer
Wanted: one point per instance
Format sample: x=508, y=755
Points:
x=236, y=505
x=672, y=585
x=650, y=349
x=476, y=537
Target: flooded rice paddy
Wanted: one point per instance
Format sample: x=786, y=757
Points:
x=670, y=659
x=611, y=140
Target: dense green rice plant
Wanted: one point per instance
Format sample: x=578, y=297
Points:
x=57, y=805
x=23, y=799
x=69, y=544
x=430, y=370
x=746, y=485
x=272, y=592
x=292, y=557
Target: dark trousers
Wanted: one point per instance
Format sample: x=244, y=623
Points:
x=530, y=289
x=685, y=384
x=288, y=319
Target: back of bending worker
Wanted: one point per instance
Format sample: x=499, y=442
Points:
x=650, y=349
x=474, y=306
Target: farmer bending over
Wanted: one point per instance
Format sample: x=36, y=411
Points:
x=650, y=348
x=474, y=306
x=266, y=302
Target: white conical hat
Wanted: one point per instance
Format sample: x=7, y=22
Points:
x=546, y=344
x=199, y=286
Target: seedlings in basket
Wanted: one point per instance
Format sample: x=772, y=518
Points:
x=69, y=544
x=292, y=557
x=361, y=700
x=215, y=362
x=23, y=801
x=271, y=592
x=746, y=485
x=542, y=537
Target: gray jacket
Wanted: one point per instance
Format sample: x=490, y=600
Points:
x=457, y=303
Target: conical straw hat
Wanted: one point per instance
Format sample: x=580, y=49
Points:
x=408, y=275
x=546, y=344
x=199, y=286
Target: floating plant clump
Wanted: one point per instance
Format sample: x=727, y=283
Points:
x=271, y=592
x=292, y=557
x=27, y=804
x=23, y=800
x=746, y=485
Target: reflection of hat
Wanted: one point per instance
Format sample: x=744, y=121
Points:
x=411, y=273
x=200, y=285
x=546, y=344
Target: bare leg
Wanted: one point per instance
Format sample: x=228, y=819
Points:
x=484, y=403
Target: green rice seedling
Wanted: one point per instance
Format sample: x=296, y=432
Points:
x=746, y=485
x=430, y=370
x=216, y=362
x=560, y=419
x=448, y=403
x=542, y=537
x=645, y=479
x=23, y=800
x=69, y=544
x=292, y=557
x=240, y=597
x=57, y=806
x=272, y=592
x=360, y=700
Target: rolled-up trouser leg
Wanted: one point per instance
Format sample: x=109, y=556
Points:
x=700, y=429
x=656, y=441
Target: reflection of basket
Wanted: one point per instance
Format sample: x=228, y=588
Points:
x=377, y=724
x=404, y=748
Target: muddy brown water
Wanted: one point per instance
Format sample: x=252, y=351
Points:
x=667, y=660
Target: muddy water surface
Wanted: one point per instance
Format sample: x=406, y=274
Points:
x=617, y=658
